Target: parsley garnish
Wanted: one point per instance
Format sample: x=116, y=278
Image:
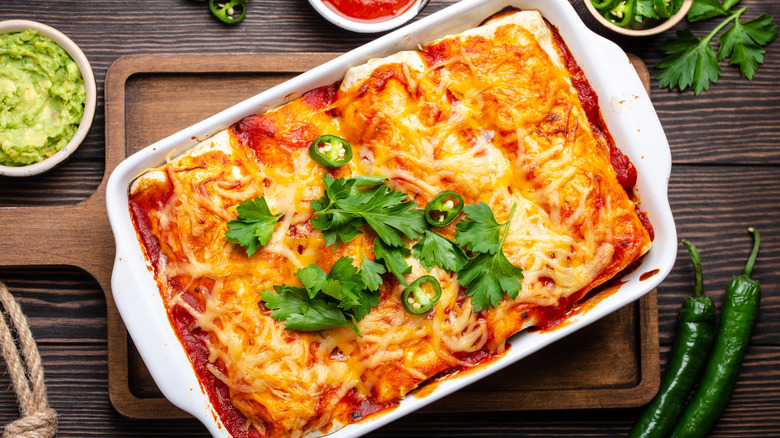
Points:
x=480, y=231
x=254, y=225
x=489, y=275
x=692, y=62
x=394, y=258
x=350, y=203
x=434, y=249
x=371, y=273
x=325, y=301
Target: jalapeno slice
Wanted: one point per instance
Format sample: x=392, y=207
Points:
x=444, y=208
x=228, y=11
x=330, y=151
x=420, y=296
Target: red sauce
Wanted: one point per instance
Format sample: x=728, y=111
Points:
x=193, y=341
x=320, y=98
x=139, y=210
x=361, y=408
x=550, y=317
x=624, y=169
x=649, y=274
x=369, y=10
x=217, y=391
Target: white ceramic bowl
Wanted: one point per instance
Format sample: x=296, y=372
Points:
x=362, y=26
x=648, y=27
x=10, y=26
x=625, y=106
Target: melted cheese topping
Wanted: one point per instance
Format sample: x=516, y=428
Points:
x=490, y=114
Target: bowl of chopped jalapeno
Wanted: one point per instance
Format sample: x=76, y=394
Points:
x=47, y=97
x=638, y=18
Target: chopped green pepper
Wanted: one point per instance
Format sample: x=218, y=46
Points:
x=229, y=11
x=604, y=5
x=444, y=208
x=662, y=8
x=623, y=14
x=330, y=151
x=420, y=296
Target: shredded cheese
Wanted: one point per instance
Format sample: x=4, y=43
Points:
x=495, y=119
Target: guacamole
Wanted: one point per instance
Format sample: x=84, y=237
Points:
x=42, y=98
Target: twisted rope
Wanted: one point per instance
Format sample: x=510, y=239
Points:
x=38, y=419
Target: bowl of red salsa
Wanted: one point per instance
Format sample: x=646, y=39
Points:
x=368, y=16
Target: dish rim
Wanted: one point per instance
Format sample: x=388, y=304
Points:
x=361, y=26
x=88, y=76
x=624, y=103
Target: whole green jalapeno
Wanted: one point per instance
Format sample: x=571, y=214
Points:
x=740, y=311
x=695, y=333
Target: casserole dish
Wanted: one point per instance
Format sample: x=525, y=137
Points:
x=625, y=106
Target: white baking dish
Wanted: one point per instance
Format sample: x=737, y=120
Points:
x=624, y=104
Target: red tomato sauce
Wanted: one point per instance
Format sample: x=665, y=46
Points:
x=624, y=169
x=369, y=10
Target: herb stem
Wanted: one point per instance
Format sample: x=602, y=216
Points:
x=507, y=223
x=735, y=15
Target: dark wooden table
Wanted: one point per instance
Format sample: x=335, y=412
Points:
x=725, y=177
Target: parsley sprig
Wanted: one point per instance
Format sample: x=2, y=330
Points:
x=254, y=225
x=350, y=203
x=346, y=295
x=692, y=62
x=488, y=275
x=341, y=297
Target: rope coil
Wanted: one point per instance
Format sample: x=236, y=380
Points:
x=38, y=419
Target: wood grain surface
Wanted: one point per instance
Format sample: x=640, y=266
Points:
x=725, y=177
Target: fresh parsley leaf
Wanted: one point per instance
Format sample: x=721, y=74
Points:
x=394, y=259
x=366, y=301
x=728, y=4
x=345, y=207
x=299, y=312
x=487, y=277
x=480, y=231
x=434, y=249
x=371, y=273
x=691, y=62
x=343, y=283
x=646, y=8
x=325, y=301
x=313, y=278
x=706, y=9
x=744, y=42
x=254, y=225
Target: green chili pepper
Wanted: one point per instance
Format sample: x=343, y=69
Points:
x=662, y=8
x=740, y=311
x=604, y=5
x=695, y=332
x=417, y=298
x=623, y=13
x=443, y=208
x=229, y=11
x=330, y=151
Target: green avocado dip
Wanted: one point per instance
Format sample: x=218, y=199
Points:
x=41, y=98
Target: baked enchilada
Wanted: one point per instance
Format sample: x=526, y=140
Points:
x=323, y=259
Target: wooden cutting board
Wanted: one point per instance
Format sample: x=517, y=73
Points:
x=612, y=363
